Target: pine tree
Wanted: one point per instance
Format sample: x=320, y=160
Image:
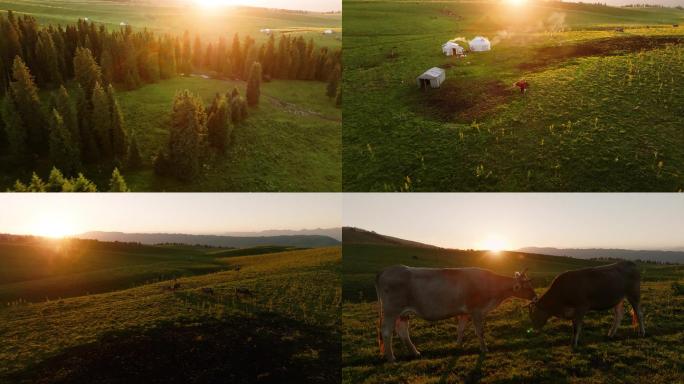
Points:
x=236, y=57
x=46, y=60
x=81, y=184
x=197, y=56
x=269, y=57
x=218, y=123
x=15, y=130
x=102, y=121
x=24, y=95
x=254, y=85
x=107, y=64
x=186, y=56
x=36, y=185
x=117, y=182
x=56, y=181
x=188, y=123
x=117, y=131
x=65, y=108
x=86, y=71
x=87, y=136
x=63, y=152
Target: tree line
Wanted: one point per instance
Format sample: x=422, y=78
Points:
x=132, y=59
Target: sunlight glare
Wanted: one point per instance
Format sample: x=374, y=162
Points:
x=516, y=3
x=53, y=228
x=494, y=244
x=210, y=4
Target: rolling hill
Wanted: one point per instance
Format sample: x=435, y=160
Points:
x=673, y=256
x=352, y=235
x=193, y=329
x=302, y=241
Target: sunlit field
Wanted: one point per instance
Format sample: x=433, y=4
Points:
x=174, y=17
x=602, y=113
x=516, y=353
x=112, y=312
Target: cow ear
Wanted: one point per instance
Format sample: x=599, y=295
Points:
x=517, y=275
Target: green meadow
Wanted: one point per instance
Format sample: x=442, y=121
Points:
x=174, y=17
x=603, y=111
x=286, y=325
x=516, y=353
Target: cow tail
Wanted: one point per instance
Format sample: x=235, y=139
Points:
x=381, y=345
x=634, y=319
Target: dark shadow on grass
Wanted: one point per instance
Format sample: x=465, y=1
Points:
x=265, y=348
x=475, y=374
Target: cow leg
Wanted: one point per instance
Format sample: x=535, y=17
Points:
x=576, y=329
x=462, y=322
x=387, y=331
x=403, y=331
x=636, y=307
x=478, y=321
x=619, y=310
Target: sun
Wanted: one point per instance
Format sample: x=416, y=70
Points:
x=494, y=243
x=56, y=228
x=516, y=3
x=208, y=4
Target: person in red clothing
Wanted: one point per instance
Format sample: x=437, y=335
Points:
x=523, y=85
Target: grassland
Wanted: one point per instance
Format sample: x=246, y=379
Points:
x=516, y=353
x=287, y=330
x=175, y=17
x=602, y=112
x=290, y=142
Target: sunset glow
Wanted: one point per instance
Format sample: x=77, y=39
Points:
x=212, y=3
x=516, y=3
x=494, y=243
x=53, y=227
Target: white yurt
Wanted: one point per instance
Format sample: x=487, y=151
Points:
x=452, y=49
x=328, y=32
x=479, y=44
x=433, y=78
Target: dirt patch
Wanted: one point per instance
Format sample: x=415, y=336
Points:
x=266, y=349
x=466, y=100
x=546, y=56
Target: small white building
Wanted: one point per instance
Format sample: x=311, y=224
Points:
x=122, y=23
x=265, y=30
x=480, y=44
x=433, y=78
x=328, y=32
x=451, y=48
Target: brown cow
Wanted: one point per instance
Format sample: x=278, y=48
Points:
x=572, y=294
x=440, y=293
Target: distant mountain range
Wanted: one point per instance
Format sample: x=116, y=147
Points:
x=353, y=235
x=335, y=233
x=673, y=255
x=301, y=241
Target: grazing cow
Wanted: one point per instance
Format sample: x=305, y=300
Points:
x=440, y=293
x=572, y=294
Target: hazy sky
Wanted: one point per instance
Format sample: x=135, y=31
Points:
x=633, y=221
x=48, y=214
x=669, y=3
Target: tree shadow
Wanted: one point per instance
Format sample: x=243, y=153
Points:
x=263, y=348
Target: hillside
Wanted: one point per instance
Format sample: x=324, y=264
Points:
x=627, y=254
x=288, y=329
x=352, y=235
x=600, y=113
x=303, y=241
x=516, y=353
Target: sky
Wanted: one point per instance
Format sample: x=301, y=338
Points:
x=307, y=5
x=50, y=214
x=668, y=3
x=512, y=221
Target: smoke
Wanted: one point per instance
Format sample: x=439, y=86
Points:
x=554, y=23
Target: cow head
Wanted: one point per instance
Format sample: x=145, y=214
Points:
x=522, y=287
x=538, y=316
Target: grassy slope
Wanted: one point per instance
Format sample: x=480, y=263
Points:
x=302, y=286
x=163, y=17
x=52, y=269
x=476, y=133
x=515, y=354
